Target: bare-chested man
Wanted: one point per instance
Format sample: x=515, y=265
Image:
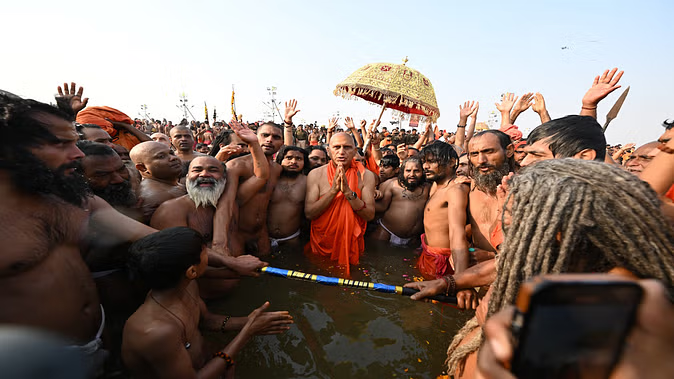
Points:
x=403, y=202
x=163, y=339
x=46, y=210
x=389, y=167
x=208, y=186
x=318, y=156
x=339, y=203
x=444, y=244
x=252, y=233
x=182, y=140
x=286, y=208
x=161, y=170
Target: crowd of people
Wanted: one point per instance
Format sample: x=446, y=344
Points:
x=119, y=229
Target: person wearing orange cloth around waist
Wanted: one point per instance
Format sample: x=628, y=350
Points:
x=339, y=203
x=444, y=245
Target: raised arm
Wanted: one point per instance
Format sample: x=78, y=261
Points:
x=261, y=169
x=471, y=127
x=290, y=111
x=521, y=106
x=507, y=103
x=70, y=101
x=122, y=126
x=332, y=125
x=349, y=124
x=539, y=107
x=464, y=112
x=420, y=142
x=602, y=86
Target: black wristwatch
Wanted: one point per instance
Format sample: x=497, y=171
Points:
x=354, y=196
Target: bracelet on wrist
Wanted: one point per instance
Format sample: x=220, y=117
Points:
x=224, y=322
x=361, y=208
x=589, y=108
x=461, y=126
x=451, y=285
x=229, y=361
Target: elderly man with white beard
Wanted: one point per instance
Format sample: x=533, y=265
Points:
x=206, y=182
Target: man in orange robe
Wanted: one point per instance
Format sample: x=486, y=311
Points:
x=339, y=203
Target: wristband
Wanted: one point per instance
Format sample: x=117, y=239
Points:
x=451, y=284
x=224, y=322
x=461, y=126
x=588, y=108
x=229, y=362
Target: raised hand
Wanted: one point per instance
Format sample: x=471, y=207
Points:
x=243, y=131
x=332, y=124
x=507, y=103
x=473, y=114
x=290, y=111
x=73, y=99
x=539, y=103
x=227, y=152
x=467, y=109
x=602, y=86
x=363, y=123
x=524, y=103
x=348, y=122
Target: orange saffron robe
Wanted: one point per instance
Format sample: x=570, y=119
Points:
x=339, y=232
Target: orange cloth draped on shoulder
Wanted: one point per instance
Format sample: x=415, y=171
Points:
x=339, y=232
x=435, y=262
x=372, y=164
x=98, y=115
x=496, y=238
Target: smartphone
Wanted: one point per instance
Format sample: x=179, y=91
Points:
x=572, y=325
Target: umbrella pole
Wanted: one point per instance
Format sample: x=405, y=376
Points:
x=383, y=108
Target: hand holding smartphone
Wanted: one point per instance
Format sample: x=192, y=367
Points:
x=573, y=325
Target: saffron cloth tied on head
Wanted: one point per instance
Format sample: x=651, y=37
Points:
x=98, y=116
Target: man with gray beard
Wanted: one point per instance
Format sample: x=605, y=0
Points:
x=206, y=183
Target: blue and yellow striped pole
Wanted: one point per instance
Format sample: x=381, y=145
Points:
x=330, y=281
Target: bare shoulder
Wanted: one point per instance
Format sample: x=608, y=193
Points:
x=182, y=203
x=239, y=162
x=316, y=174
x=155, y=335
x=369, y=177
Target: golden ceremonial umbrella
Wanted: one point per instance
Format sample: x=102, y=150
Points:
x=394, y=86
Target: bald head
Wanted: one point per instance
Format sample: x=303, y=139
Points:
x=342, y=149
x=161, y=137
x=642, y=157
x=156, y=160
x=207, y=161
x=140, y=152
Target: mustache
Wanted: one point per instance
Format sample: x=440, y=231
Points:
x=205, y=181
x=485, y=165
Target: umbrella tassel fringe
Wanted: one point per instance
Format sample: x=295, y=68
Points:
x=354, y=93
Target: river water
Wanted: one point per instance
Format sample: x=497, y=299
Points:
x=342, y=332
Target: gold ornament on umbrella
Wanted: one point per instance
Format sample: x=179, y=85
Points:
x=394, y=86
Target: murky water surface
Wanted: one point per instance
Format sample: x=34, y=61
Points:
x=343, y=332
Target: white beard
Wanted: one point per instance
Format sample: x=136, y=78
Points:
x=205, y=196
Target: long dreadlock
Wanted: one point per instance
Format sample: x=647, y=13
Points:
x=572, y=215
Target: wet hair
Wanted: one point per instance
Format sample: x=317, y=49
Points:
x=284, y=151
x=568, y=136
x=19, y=127
x=272, y=124
x=309, y=149
x=601, y=225
x=442, y=152
x=161, y=259
x=401, y=174
x=668, y=124
x=80, y=129
x=90, y=148
x=390, y=161
x=223, y=138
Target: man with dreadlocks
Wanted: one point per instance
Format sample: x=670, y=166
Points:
x=403, y=201
x=570, y=216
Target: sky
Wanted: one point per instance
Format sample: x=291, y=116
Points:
x=129, y=53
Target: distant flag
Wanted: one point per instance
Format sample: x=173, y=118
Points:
x=206, y=111
x=414, y=121
x=214, y=114
x=233, y=104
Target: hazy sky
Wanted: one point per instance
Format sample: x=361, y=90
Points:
x=128, y=53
